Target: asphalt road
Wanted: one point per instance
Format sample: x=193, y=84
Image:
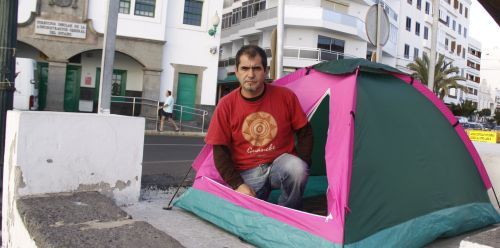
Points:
x=167, y=159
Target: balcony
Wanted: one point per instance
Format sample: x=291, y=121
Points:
x=296, y=16
x=297, y=57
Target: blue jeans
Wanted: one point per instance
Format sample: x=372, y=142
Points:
x=287, y=172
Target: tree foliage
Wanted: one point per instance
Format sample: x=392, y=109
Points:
x=485, y=112
x=445, y=74
x=466, y=108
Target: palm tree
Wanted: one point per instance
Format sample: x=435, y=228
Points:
x=444, y=79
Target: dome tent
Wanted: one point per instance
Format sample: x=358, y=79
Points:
x=396, y=168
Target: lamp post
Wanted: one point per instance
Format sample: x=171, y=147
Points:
x=215, y=23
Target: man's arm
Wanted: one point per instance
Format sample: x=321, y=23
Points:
x=224, y=164
x=305, y=143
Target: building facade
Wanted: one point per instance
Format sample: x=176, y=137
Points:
x=472, y=74
x=314, y=31
x=486, y=99
x=160, y=45
x=452, y=38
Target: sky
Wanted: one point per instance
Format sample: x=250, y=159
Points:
x=484, y=29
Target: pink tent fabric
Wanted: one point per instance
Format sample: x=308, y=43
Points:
x=338, y=154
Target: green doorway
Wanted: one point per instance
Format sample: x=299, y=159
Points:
x=72, y=88
x=186, y=94
x=42, y=77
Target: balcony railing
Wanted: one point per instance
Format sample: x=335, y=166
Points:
x=299, y=53
x=149, y=109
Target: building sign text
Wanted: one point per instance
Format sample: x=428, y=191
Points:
x=58, y=28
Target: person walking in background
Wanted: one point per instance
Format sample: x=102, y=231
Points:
x=166, y=111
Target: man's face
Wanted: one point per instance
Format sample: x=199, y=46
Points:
x=251, y=75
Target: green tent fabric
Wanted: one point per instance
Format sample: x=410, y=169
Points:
x=345, y=66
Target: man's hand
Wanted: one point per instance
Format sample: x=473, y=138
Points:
x=245, y=189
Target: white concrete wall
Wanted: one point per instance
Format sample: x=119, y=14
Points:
x=50, y=152
x=190, y=45
x=131, y=25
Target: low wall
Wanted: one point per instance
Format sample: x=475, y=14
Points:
x=52, y=152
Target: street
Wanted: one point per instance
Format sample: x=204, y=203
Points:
x=167, y=159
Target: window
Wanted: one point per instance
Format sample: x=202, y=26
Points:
x=465, y=32
x=117, y=83
x=415, y=53
x=426, y=33
x=145, y=8
x=409, y=2
x=251, y=8
x=417, y=28
x=463, y=53
x=407, y=51
x=408, y=23
x=331, y=48
x=226, y=20
x=460, y=10
x=236, y=15
x=446, y=43
x=192, y=12
x=419, y=4
x=454, y=25
x=427, y=7
x=124, y=7
x=466, y=12
x=459, y=28
x=447, y=21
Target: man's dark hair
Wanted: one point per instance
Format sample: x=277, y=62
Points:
x=252, y=51
x=169, y=92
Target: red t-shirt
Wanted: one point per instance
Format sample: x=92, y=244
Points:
x=257, y=132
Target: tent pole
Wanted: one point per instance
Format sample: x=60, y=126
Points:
x=169, y=206
x=495, y=194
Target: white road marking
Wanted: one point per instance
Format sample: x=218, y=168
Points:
x=167, y=162
x=174, y=144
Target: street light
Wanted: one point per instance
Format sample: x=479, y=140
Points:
x=215, y=23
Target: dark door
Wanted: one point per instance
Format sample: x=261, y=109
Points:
x=72, y=88
x=42, y=77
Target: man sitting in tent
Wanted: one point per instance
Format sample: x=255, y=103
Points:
x=252, y=133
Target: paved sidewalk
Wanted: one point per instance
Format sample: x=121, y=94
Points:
x=86, y=219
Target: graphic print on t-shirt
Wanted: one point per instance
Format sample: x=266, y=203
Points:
x=259, y=128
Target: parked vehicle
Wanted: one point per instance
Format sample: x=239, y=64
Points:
x=472, y=125
x=26, y=94
x=461, y=119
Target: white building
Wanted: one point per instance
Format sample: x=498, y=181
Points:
x=313, y=31
x=497, y=100
x=160, y=45
x=415, y=35
x=485, y=98
x=472, y=74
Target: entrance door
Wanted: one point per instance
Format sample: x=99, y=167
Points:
x=186, y=94
x=72, y=88
x=42, y=77
x=118, y=85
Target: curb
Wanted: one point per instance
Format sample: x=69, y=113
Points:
x=173, y=133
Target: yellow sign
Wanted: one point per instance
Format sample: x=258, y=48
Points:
x=483, y=136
